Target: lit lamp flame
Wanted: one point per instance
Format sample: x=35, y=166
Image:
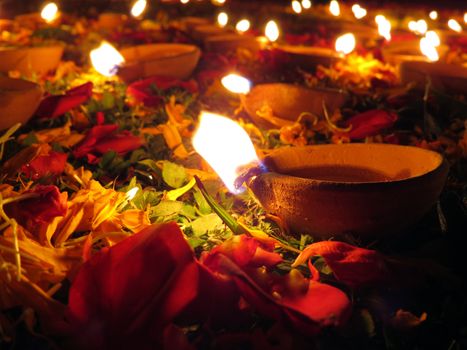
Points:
x=184, y=1
x=358, y=11
x=418, y=27
x=218, y=2
x=433, y=15
x=222, y=19
x=49, y=12
x=225, y=145
x=138, y=8
x=106, y=59
x=272, y=31
x=243, y=25
x=236, y=83
x=384, y=27
x=334, y=8
x=454, y=25
x=433, y=38
x=131, y=193
x=345, y=43
x=296, y=6
x=428, y=49
x=465, y=17
x=306, y=4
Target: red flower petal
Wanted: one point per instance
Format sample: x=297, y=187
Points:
x=52, y=164
x=125, y=296
x=55, y=106
x=370, y=123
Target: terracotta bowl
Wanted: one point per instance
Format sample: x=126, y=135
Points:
x=30, y=60
x=170, y=60
x=19, y=100
x=310, y=57
x=364, y=189
x=110, y=20
x=188, y=23
x=231, y=42
x=396, y=53
x=448, y=77
x=204, y=31
x=288, y=101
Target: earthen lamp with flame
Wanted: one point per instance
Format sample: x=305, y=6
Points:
x=327, y=190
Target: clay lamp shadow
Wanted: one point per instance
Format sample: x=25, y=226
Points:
x=327, y=190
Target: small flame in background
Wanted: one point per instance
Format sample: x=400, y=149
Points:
x=454, y=25
x=243, y=25
x=138, y=8
x=236, y=83
x=49, y=12
x=218, y=2
x=384, y=27
x=345, y=43
x=222, y=19
x=272, y=31
x=306, y=4
x=465, y=17
x=296, y=7
x=334, y=8
x=226, y=146
x=428, y=45
x=433, y=15
x=106, y=59
x=131, y=193
x=418, y=27
x=184, y=1
x=358, y=11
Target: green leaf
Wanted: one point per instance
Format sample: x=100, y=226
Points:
x=203, y=205
x=206, y=224
x=168, y=209
x=108, y=100
x=173, y=174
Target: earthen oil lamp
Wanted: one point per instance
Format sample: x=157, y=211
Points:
x=327, y=190
x=19, y=100
x=228, y=41
x=278, y=104
x=49, y=14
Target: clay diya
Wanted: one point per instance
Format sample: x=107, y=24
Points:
x=231, y=42
x=309, y=57
x=169, y=60
x=30, y=60
x=19, y=100
x=204, y=31
x=443, y=76
x=287, y=102
x=408, y=51
x=365, y=189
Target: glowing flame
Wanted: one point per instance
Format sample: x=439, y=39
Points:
x=296, y=7
x=106, y=59
x=384, y=27
x=454, y=25
x=225, y=145
x=334, y=8
x=184, y=1
x=131, y=193
x=272, y=31
x=236, y=83
x=358, y=11
x=306, y=4
x=218, y=2
x=418, y=27
x=465, y=17
x=345, y=43
x=428, y=49
x=433, y=38
x=433, y=15
x=243, y=25
x=138, y=8
x=49, y=12
x=222, y=19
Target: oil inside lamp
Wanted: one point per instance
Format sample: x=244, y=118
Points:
x=345, y=43
x=106, y=59
x=138, y=8
x=272, y=31
x=49, y=12
x=384, y=27
x=243, y=25
x=222, y=19
x=236, y=84
x=334, y=8
x=358, y=11
x=454, y=25
x=226, y=146
x=433, y=15
x=306, y=4
x=296, y=6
